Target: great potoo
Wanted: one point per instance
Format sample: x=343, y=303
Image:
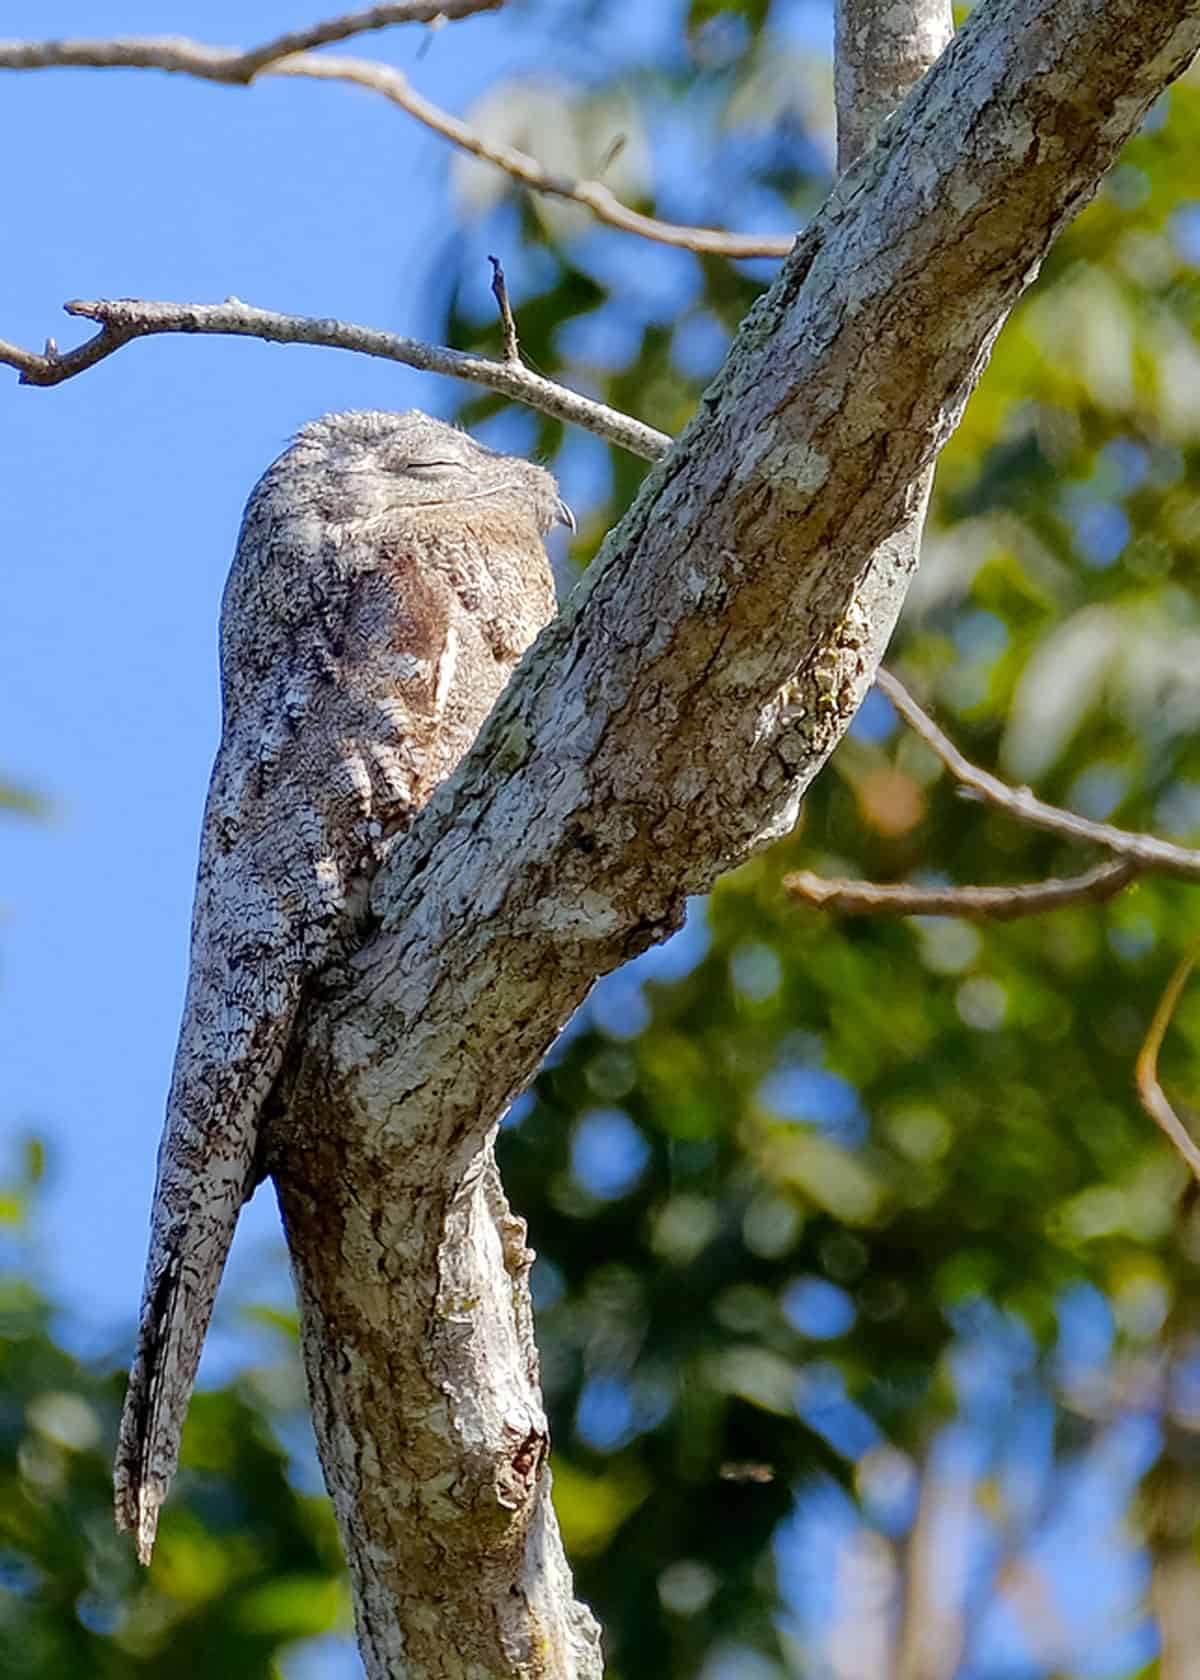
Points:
x=388, y=576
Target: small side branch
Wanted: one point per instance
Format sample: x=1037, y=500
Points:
x=603, y=203
x=1137, y=854
x=235, y=65
x=124, y=319
x=1153, y=1097
x=1145, y=850
x=282, y=57
x=995, y=904
x=432, y=12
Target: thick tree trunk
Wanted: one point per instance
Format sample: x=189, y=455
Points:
x=665, y=726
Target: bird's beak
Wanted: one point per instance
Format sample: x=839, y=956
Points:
x=566, y=517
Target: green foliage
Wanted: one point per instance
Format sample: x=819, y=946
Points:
x=752, y=12
x=245, y=1566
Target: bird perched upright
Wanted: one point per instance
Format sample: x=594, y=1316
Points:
x=389, y=574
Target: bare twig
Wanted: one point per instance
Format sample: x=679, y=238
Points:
x=1143, y=849
x=124, y=319
x=512, y=344
x=433, y=12
x=236, y=65
x=227, y=64
x=1153, y=1097
x=1138, y=853
x=996, y=904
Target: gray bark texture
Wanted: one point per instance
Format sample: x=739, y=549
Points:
x=880, y=49
x=663, y=727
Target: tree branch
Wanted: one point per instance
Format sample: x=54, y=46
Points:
x=994, y=904
x=662, y=728
x=603, y=203
x=1145, y=850
x=231, y=66
x=1153, y=1097
x=235, y=65
x=1139, y=853
x=124, y=319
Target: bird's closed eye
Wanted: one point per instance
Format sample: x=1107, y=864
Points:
x=431, y=466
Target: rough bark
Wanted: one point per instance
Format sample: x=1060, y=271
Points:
x=665, y=726
x=881, y=49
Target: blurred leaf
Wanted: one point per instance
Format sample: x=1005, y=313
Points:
x=21, y=801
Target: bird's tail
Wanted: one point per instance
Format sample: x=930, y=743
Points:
x=194, y=1217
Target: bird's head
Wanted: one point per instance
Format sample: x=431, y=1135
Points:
x=366, y=464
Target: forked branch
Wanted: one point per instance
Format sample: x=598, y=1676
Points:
x=1136, y=854
x=1143, y=849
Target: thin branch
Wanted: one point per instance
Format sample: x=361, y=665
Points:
x=1021, y=803
x=235, y=65
x=432, y=12
x=996, y=904
x=124, y=319
x=1153, y=1097
x=593, y=195
x=512, y=343
x=228, y=65
x=1138, y=853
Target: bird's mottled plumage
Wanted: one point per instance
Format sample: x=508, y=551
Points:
x=389, y=574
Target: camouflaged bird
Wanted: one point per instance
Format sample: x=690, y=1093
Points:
x=389, y=574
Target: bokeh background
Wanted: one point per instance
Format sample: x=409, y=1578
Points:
x=868, y=1297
